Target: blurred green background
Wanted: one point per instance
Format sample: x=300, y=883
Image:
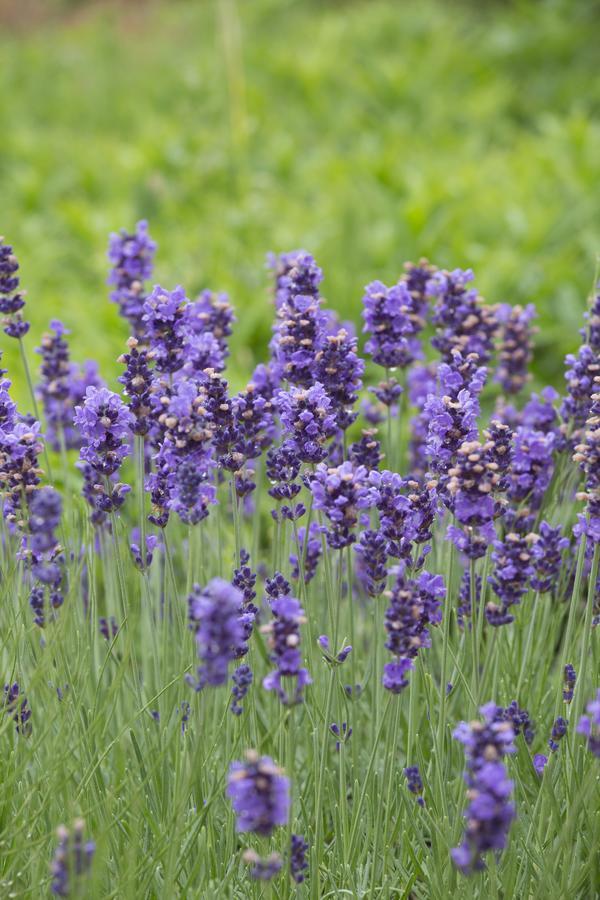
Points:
x=366, y=132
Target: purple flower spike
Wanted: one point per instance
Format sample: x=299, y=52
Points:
x=263, y=868
x=394, y=675
x=414, y=783
x=72, y=860
x=462, y=321
x=515, y=353
x=393, y=319
x=259, y=793
x=539, y=763
x=513, y=570
x=569, y=680
x=490, y=812
x=589, y=725
x=16, y=705
x=588, y=456
x=341, y=493
x=298, y=861
x=12, y=300
x=214, y=619
x=163, y=322
x=559, y=729
x=547, y=555
x=132, y=259
x=371, y=553
x=242, y=679
x=414, y=606
x=308, y=419
x=284, y=642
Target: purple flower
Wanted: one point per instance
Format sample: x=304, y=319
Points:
x=588, y=456
x=263, y=868
x=211, y=314
x=333, y=659
x=55, y=388
x=244, y=579
x=16, y=706
x=414, y=606
x=490, y=812
x=569, y=679
x=514, y=354
x=371, y=551
x=311, y=549
x=581, y=376
x=340, y=493
x=142, y=560
x=108, y=627
x=451, y=423
x=343, y=734
x=20, y=447
x=296, y=272
x=547, y=557
x=12, y=300
x=189, y=488
x=462, y=321
x=72, y=860
x=470, y=492
x=559, y=729
x=590, y=725
x=308, y=419
x=394, y=675
x=242, y=679
x=539, y=763
x=214, y=619
x=366, y=451
x=339, y=369
x=259, y=793
x=299, y=333
x=162, y=319
x=132, y=259
x=137, y=383
x=539, y=413
x=531, y=470
x=393, y=319
x=519, y=718
x=415, y=783
x=513, y=571
x=254, y=417
x=284, y=643
x=298, y=860
x=105, y=424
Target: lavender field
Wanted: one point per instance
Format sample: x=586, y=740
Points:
x=331, y=635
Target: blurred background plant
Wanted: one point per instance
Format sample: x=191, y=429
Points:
x=367, y=132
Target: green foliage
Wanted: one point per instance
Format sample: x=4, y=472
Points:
x=368, y=133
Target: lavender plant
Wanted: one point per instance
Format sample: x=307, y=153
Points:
x=190, y=570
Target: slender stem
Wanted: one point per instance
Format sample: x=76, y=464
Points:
x=587, y=635
x=528, y=641
x=141, y=464
x=475, y=613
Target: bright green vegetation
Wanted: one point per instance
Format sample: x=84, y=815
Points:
x=369, y=133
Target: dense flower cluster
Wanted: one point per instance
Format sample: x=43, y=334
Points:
x=588, y=456
x=132, y=259
x=490, y=811
x=289, y=678
x=214, y=615
x=414, y=606
x=513, y=570
x=462, y=321
x=259, y=793
x=341, y=493
x=393, y=318
x=308, y=418
x=515, y=353
x=16, y=705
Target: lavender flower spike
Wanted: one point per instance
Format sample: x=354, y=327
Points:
x=490, y=812
x=214, y=618
x=341, y=493
x=72, y=860
x=132, y=257
x=589, y=725
x=259, y=793
x=12, y=300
